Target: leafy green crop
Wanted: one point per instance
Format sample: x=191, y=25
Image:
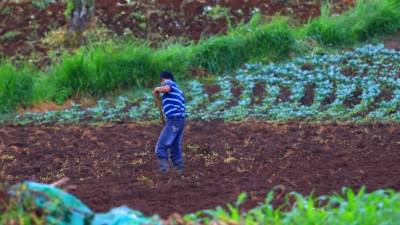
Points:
x=42, y=4
x=359, y=86
x=349, y=207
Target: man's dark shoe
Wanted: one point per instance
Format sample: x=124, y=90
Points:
x=179, y=171
x=163, y=165
x=179, y=168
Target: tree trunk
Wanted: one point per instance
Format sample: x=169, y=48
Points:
x=80, y=16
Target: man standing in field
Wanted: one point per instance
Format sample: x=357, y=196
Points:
x=169, y=144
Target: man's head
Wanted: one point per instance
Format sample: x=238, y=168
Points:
x=166, y=75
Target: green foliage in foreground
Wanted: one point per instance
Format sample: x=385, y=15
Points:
x=104, y=67
x=379, y=207
x=15, y=87
x=18, y=213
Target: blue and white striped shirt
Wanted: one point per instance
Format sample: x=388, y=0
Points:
x=173, y=101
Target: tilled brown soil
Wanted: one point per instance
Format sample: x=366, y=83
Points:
x=115, y=164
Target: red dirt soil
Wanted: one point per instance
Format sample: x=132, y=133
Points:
x=392, y=42
x=22, y=26
x=115, y=164
x=43, y=107
x=3, y=198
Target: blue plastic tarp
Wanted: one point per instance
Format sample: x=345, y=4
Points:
x=63, y=208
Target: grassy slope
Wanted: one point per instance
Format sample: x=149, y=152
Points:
x=104, y=67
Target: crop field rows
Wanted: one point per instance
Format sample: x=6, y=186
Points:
x=360, y=85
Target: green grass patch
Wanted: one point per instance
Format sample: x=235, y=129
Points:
x=16, y=87
x=100, y=69
x=253, y=41
x=369, y=18
x=96, y=70
x=9, y=35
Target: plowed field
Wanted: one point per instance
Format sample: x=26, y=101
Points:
x=115, y=164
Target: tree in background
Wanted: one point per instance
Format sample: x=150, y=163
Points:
x=79, y=13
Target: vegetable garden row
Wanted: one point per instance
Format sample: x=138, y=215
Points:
x=359, y=85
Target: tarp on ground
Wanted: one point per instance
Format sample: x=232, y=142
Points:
x=63, y=208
